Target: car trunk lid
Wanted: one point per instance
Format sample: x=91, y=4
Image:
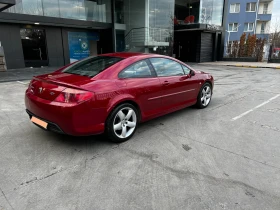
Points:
x=49, y=86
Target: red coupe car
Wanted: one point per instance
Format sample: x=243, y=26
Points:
x=112, y=93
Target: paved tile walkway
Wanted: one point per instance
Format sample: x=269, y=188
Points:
x=24, y=73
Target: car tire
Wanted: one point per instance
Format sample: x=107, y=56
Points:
x=122, y=123
x=204, y=96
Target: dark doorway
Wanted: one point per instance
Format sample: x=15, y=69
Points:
x=187, y=45
x=219, y=47
x=105, y=44
x=120, y=41
x=34, y=47
x=119, y=11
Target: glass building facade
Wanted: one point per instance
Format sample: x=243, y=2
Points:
x=211, y=12
x=99, y=11
x=199, y=11
x=145, y=26
x=116, y=25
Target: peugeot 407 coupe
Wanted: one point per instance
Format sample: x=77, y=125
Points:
x=113, y=93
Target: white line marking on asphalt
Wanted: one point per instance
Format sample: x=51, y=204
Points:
x=264, y=103
x=23, y=83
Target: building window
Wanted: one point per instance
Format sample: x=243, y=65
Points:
x=248, y=27
x=265, y=8
x=263, y=27
x=251, y=7
x=234, y=8
x=233, y=27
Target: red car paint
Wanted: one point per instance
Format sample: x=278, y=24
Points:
x=153, y=96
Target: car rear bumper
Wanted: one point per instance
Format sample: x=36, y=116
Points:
x=51, y=126
x=78, y=120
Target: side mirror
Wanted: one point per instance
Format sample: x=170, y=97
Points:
x=192, y=73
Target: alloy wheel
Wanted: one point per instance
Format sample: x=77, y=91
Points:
x=206, y=94
x=125, y=122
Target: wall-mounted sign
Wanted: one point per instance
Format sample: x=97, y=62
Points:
x=79, y=44
x=213, y=27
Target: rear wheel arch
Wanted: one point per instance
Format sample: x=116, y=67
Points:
x=129, y=101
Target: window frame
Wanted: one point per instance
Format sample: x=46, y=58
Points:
x=255, y=9
x=152, y=66
x=263, y=27
x=253, y=25
x=235, y=4
x=153, y=73
x=265, y=11
x=187, y=68
x=233, y=27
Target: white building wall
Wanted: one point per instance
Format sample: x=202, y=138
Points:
x=261, y=7
x=270, y=7
x=267, y=27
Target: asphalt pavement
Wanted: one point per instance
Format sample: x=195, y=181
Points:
x=223, y=157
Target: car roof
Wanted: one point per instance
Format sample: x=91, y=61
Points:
x=126, y=54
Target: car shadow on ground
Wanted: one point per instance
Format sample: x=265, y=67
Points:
x=104, y=141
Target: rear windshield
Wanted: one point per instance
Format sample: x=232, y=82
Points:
x=92, y=66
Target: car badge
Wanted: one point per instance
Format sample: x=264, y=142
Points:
x=41, y=90
x=51, y=93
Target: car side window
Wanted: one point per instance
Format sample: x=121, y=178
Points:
x=139, y=69
x=166, y=67
x=186, y=69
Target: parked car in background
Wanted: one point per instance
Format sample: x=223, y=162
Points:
x=113, y=93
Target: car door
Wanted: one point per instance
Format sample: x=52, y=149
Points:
x=141, y=81
x=175, y=83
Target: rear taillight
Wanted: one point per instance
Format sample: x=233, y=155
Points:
x=73, y=96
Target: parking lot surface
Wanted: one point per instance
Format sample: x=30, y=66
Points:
x=223, y=157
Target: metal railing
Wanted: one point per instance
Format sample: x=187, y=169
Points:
x=265, y=12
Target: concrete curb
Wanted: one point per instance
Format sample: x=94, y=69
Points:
x=249, y=66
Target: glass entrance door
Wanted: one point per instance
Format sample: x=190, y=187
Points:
x=34, y=47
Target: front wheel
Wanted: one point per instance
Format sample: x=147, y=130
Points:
x=122, y=123
x=204, y=96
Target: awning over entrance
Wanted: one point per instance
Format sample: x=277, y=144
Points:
x=5, y=4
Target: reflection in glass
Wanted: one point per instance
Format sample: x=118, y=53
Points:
x=211, y=12
x=51, y=8
x=198, y=11
x=161, y=15
x=91, y=10
x=166, y=67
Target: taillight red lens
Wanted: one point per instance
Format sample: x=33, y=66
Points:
x=73, y=96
